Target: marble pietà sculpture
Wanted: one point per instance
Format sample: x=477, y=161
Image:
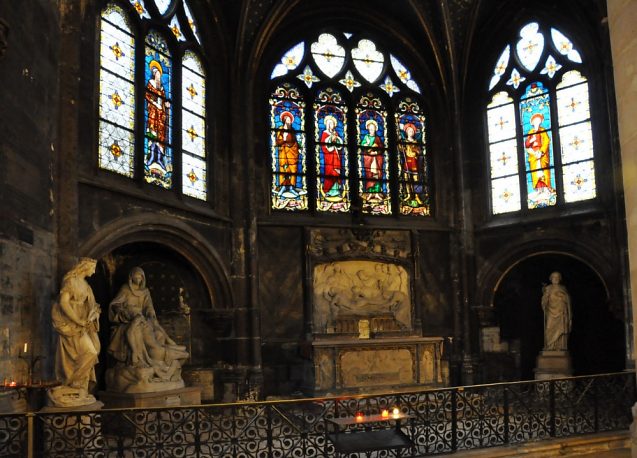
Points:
x=146, y=359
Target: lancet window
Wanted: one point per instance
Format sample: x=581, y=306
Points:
x=540, y=140
x=152, y=95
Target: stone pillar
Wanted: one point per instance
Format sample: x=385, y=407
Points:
x=622, y=16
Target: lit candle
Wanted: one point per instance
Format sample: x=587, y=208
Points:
x=396, y=412
x=13, y=383
x=26, y=346
x=384, y=413
x=359, y=416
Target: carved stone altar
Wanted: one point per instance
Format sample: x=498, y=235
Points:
x=393, y=362
x=366, y=334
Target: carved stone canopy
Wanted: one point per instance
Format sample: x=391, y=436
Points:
x=331, y=243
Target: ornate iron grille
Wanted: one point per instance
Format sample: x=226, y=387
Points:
x=13, y=436
x=442, y=421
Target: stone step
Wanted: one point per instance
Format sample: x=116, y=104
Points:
x=602, y=445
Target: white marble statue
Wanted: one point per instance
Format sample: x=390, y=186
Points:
x=147, y=359
x=556, y=304
x=75, y=317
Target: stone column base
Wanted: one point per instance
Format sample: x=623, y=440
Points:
x=553, y=364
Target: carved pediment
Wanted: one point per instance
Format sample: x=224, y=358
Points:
x=331, y=243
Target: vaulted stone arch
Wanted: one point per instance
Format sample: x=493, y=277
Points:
x=175, y=235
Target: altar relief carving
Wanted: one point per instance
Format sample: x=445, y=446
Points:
x=371, y=367
x=361, y=289
x=366, y=332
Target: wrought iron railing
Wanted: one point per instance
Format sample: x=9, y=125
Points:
x=442, y=421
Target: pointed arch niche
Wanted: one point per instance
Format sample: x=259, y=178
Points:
x=174, y=256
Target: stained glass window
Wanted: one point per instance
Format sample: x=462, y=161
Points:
x=368, y=60
x=365, y=130
x=500, y=67
x=287, y=147
x=373, y=160
x=565, y=46
x=412, y=164
x=140, y=7
x=535, y=115
x=176, y=29
x=191, y=22
x=158, y=156
x=168, y=79
x=328, y=54
x=193, y=125
x=290, y=60
x=576, y=134
x=116, y=150
x=503, y=154
x=530, y=46
x=350, y=82
x=403, y=74
x=163, y=5
x=330, y=128
x=523, y=137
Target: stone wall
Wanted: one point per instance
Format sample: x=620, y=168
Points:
x=28, y=146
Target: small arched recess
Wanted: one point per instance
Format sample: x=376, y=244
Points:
x=513, y=292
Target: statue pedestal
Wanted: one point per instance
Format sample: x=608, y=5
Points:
x=188, y=396
x=553, y=364
x=97, y=405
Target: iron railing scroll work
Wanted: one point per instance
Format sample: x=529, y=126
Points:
x=440, y=421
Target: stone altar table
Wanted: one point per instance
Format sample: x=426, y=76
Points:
x=362, y=365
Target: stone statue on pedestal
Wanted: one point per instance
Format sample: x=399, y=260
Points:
x=75, y=317
x=556, y=304
x=147, y=359
x=554, y=360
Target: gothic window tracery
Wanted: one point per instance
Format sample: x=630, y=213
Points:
x=540, y=139
x=150, y=61
x=347, y=130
